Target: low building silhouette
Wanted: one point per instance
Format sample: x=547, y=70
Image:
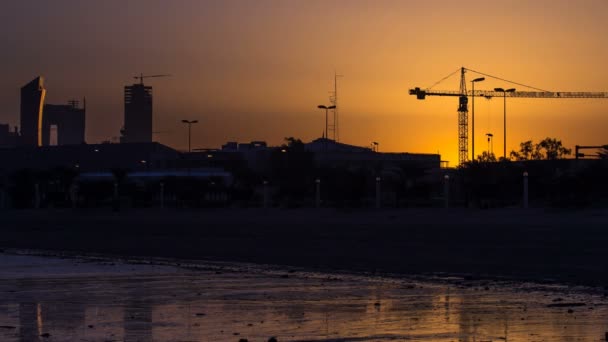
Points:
x=329, y=153
x=92, y=157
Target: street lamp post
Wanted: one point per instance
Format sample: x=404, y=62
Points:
x=190, y=132
x=525, y=204
x=326, y=122
x=490, y=143
x=317, y=193
x=473, y=114
x=378, y=193
x=504, y=124
x=446, y=191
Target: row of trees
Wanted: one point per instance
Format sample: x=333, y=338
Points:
x=546, y=149
x=549, y=149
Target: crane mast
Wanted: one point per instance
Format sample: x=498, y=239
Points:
x=463, y=120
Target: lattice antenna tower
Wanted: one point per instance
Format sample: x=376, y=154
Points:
x=334, y=128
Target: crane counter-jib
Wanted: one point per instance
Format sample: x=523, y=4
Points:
x=421, y=94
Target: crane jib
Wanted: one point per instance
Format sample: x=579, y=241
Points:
x=422, y=94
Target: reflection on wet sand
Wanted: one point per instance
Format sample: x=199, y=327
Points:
x=170, y=304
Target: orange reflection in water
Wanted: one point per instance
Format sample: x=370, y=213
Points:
x=209, y=306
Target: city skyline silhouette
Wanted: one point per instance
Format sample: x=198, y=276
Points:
x=257, y=71
x=304, y=170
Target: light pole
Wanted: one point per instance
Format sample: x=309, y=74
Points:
x=190, y=132
x=473, y=113
x=446, y=191
x=526, y=190
x=504, y=124
x=317, y=193
x=490, y=143
x=326, y=109
x=378, y=192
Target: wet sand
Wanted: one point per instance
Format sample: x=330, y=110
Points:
x=566, y=246
x=76, y=299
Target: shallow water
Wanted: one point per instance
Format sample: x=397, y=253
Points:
x=84, y=300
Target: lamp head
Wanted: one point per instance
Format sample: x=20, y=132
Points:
x=479, y=79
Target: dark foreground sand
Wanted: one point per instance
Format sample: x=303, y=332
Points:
x=564, y=246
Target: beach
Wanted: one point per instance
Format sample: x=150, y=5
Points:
x=46, y=297
x=536, y=244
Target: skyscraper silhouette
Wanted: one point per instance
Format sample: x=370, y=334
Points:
x=138, y=114
x=32, y=102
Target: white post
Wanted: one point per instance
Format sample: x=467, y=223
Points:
x=115, y=204
x=37, y=196
x=162, y=195
x=525, y=190
x=378, y=192
x=446, y=190
x=73, y=194
x=265, y=194
x=317, y=193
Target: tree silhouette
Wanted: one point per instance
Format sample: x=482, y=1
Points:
x=553, y=149
x=486, y=157
x=293, y=145
x=548, y=148
x=527, y=151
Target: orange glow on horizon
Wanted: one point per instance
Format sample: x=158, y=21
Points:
x=257, y=70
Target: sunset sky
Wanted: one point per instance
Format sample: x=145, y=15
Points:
x=256, y=70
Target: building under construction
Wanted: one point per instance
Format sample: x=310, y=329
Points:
x=138, y=114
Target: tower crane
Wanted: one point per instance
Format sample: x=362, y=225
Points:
x=142, y=76
x=463, y=94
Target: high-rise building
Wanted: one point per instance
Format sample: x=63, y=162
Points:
x=138, y=114
x=32, y=101
x=68, y=121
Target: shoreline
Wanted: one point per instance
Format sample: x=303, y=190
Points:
x=194, y=267
x=116, y=299
x=566, y=247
